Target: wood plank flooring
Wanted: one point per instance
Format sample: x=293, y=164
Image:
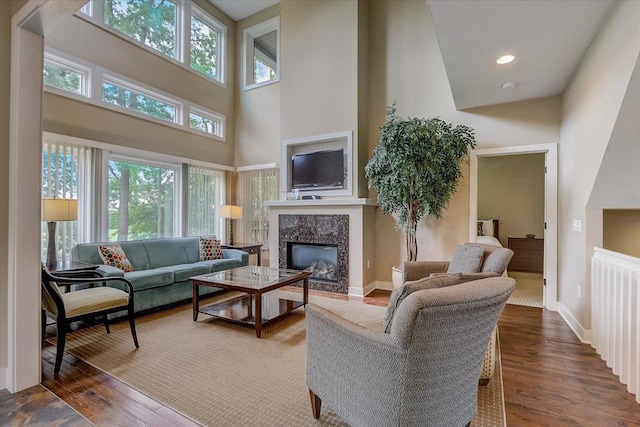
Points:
x=550, y=379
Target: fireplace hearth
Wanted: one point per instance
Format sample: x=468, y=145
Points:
x=319, y=244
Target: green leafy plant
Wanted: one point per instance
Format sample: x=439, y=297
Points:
x=416, y=168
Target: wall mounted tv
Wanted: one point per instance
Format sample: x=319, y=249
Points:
x=318, y=170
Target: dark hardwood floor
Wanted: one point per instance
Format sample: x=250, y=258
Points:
x=550, y=379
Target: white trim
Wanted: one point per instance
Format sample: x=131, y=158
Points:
x=384, y=286
x=249, y=34
x=257, y=167
x=183, y=44
x=135, y=152
x=584, y=335
x=346, y=141
x=551, y=208
x=322, y=202
x=221, y=44
x=219, y=119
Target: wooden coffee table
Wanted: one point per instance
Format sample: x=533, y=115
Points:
x=254, y=282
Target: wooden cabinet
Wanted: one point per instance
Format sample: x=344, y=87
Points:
x=528, y=254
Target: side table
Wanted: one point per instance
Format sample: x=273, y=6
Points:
x=250, y=248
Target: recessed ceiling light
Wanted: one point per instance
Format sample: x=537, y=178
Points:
x=505, y=59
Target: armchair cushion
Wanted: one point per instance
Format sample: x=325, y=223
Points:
x=397, y=296
x=467, y=259
x=93, y=300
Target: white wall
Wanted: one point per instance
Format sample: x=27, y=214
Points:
x=591, y=105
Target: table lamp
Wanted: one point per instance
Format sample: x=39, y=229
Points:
x=231, y=212
x=54, y=210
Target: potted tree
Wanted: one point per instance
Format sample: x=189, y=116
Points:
x=416, y=168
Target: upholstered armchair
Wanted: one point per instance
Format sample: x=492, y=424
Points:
x=98, y=300
x=474, y=261
x=423, y=373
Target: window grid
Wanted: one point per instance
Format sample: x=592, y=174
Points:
x=254, y=188
x=185, y=12
x=171, y=110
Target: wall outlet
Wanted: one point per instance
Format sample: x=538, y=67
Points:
x=368, y=264
x=579, y=291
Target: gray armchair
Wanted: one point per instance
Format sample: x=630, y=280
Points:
x=425, y=372
x=474, y=260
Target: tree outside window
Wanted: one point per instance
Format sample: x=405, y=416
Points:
x=141, y=201
x=204, y=48
x=152, y=22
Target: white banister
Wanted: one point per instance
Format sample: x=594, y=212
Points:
x=615, y=314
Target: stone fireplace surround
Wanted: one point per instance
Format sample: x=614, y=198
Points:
x=317, y=229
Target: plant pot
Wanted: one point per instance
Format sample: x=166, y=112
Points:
x=396, y=276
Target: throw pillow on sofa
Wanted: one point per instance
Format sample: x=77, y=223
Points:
x=114, y=256
x=409, y=287
x=210, y=248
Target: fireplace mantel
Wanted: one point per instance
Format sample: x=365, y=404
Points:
x=322, y=202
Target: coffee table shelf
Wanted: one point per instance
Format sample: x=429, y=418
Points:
x=256, y=307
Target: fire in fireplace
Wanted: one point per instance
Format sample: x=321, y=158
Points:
x=321, y=260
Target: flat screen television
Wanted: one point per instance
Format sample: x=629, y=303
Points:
x=318, y=170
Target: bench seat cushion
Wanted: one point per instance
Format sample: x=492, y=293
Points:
x=148, y=279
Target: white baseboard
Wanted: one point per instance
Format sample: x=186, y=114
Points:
x=361, y=292
x=384, y=286
x=3, y=378
x=584, y=335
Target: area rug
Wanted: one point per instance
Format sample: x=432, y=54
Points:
x=220, y=374
x=529, y=289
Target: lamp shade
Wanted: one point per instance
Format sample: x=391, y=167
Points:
x=231, y=211
x=59, y=209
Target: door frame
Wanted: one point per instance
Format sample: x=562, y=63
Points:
x=550, y=301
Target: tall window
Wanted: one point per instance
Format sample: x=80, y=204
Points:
x=205, y=196
x=151, y=22
x=65, y=175
x=205, y=45
x=177, y=29
x=141, y=200
x=254, y=188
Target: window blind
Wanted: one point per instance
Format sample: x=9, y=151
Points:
x=254, y=188
x=66, y=175
x=205, y=195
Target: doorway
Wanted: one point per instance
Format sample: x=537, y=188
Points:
x=522, y=200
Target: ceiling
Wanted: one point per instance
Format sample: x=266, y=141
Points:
x=548, y=39
x=240, y=9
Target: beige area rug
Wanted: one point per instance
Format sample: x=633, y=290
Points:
x=220, y=374
x=529, y=289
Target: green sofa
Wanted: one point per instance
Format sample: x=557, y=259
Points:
x=161, y=267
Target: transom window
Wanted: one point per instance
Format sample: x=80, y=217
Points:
x=64, y=75
x=128, y=97
x=262, y=53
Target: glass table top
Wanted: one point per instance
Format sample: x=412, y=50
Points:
x=251, y=276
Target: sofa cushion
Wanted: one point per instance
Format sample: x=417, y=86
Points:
x=114, y=256
x=163, y=252
x=182, y=272
x=216, y=265
x=466, y=259
x=409, y=287
x=147, y=279
x=210, y=248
